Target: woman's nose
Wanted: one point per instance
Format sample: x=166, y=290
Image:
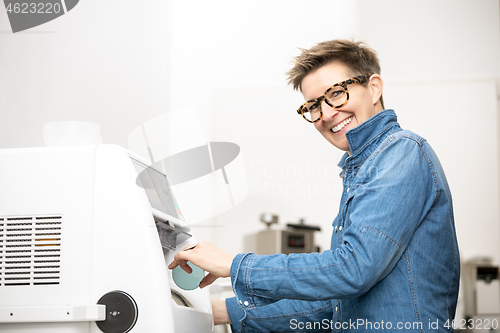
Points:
x=328, y=111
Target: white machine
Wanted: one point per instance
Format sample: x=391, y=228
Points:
x=86, y=234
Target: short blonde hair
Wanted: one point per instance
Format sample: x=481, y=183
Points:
x=357, y=56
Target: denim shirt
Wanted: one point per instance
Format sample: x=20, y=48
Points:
x=394, y=261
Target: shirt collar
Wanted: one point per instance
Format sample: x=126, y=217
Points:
x=359, y=138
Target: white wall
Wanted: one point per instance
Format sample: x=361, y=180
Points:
x=104, y=62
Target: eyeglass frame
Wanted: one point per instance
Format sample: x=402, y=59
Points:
x=343, y=84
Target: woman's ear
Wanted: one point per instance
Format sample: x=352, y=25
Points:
x=376, y=86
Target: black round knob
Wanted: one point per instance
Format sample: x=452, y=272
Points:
x=121, y=312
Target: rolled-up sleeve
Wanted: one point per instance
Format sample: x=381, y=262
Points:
x=281, y=316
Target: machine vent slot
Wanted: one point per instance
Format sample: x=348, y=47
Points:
x=30, y=250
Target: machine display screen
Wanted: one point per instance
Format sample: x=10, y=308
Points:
x=157, y=190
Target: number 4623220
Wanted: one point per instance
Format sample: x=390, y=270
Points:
x=34, y=8
x=473, y=324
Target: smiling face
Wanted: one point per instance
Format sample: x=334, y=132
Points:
x=363, y=103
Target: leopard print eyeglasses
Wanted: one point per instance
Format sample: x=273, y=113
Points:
x=336, y=96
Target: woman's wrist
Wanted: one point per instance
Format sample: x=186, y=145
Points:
x=219, y=311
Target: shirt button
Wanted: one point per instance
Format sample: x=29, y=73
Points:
x=241, y=302
x=347, y=190
x=246, y=303
x=335, y=229
x=340, y=228
x=336, y=309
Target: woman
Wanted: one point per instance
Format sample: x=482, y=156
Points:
x=394, y=260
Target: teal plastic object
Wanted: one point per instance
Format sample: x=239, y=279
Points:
x=188, y=281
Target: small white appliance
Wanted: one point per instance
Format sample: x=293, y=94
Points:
x=295, y=238
x=481, y=295
x=86, y=234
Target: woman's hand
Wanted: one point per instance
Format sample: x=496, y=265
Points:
x=206, y=256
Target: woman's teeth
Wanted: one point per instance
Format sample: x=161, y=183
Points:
x=341, y=125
